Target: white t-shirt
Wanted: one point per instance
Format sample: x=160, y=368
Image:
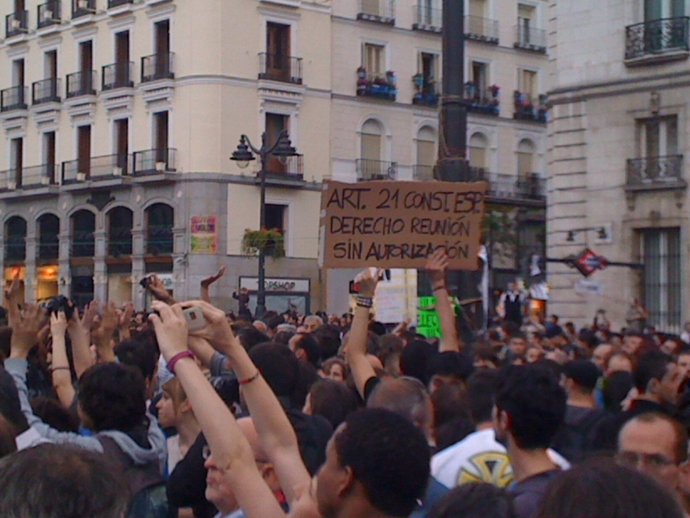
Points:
x=478, y=458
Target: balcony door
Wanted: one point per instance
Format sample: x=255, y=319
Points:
x=122, y=58
x=122, y=144
x=658, y=9
x=161, y=136
x=49, y=157
x=278, y=50
x=162, y=62
x=17, y=160
x=658, y=142
x=84, y=150
x=85, y=67
x=275, y=124
x=374, y=60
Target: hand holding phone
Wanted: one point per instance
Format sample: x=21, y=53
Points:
x=195, y=319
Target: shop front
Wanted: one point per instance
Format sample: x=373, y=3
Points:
x=282, y=294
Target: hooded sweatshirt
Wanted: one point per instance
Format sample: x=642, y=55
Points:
x=139, y=455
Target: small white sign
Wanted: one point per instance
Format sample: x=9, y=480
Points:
x=588, y=287
x=276, y=284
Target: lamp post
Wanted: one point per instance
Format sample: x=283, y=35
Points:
x=245, y=153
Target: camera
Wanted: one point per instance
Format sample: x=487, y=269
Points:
x=60, y=303
x=144, y=283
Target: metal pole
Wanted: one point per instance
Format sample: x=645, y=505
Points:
x=261, y=288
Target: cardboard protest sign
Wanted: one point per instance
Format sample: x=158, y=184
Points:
x=398, y=224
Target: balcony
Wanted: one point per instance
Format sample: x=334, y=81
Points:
x=13, y=98
x=285, y=172
x=529, y=187
x=375, y=170
x=655, y=173
x=529, y=38
x=12, y=178
x=157, y=66
x=38, y=176
x=98, y=167
x=527, y=109
x=379, y=11
x=423, y=173
x=425, y=91
x=83, y=8
x=657, y=40
x=154, y=161
x=81, y=83
x=49, y=14
x=484, y=101
x=16, y=23
x=118, y=3
x=117, y=75
x=480, y=29
x=427, y=19
x=378, y=86
x=277, y=67
x=46, y=91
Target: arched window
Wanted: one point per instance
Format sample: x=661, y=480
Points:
x=160, y=220
x=479, y=151
x=370, y=163
x=426, y=153
x=83, y=226
x=48, y=236
x=525, y=157
x=15, y=239
x=120, y=221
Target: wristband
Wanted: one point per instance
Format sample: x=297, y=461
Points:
x=364, y=302
x=59, y=369
x=179, y=356
x=249, y=380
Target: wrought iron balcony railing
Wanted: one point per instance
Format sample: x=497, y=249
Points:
x=529, y=38
x=481, y=29
x=381, y=11
x=375, y=169
x=511, y=187
x=117, y=75
x=529, y=109
x=83, y=7
x=484, y=101
x=157, y=66
x=13, y=98
x=658, y=172
x=657, y=37
x=117, y=3
x=38, y=176
x=81, y=83
x=16, y=23
x=45, y=91
x=425, y=91
x=104, y=167
x=154, y=161
x=49, y=13
x=278, y=67
x=427, y=18
x=383, y=86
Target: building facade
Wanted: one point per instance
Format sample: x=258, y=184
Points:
x=118, y=119
x=616, y=159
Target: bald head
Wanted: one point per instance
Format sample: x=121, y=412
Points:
x=404, y=396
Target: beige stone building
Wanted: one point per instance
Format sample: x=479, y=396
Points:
x=618, y=177
x=118, y=118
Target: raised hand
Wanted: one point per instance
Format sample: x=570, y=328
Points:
x=58, y=324
x=13, y=299
x=159, y=292
x=25, y=328
x=171, y=328
x=205, y=283
x=367, y=280
x=217, y=331
x=436, y=266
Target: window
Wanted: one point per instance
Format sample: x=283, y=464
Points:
x=48, y=240
x=662, y=259
x=478, y=151
x=371, y=140
x=374, y=59
x=15, y=239
x=480, y=78
x=275, y=124
x=160, y=219
x=16, y=160
x=426, y=147
x=84, y=150
x=527, y=84
x=525, y=158
x=122, y=145
x=658, y=137
x=477, y=8
x=49, y=158
x=18, y=72
x=83, y=228
x=274, y=216
x=658, y=9
x=120, y=221
x=160, y=135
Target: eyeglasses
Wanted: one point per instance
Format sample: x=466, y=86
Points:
x=633, y=459
x=205, y=452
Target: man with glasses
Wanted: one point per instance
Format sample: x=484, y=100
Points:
x=656, y=445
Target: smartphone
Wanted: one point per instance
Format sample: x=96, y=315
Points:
x=195, y=319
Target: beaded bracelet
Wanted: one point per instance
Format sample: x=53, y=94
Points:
x=250, y=379
x=364, y=302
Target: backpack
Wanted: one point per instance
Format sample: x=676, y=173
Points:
x=148, y=498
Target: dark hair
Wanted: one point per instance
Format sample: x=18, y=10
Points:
x=279, y=367
x=139, y=354
x=378, y=328
x=583, y=372
x=54, y=414
x=450, y=401
x=310, y=348
x=481, y=392
x=453, y=431
x=58, y=481
x=450, y=363
x=599, y=488
x=10, y=407
x=615, y=389
x=273, y=321
x=388, y=456
x=651, y=365
x=535, y=402
x=250, y=336
x=8, y=443
x=283, y=337
x=332, y=400
x=414, y=360
x=328, y=339
x=474, y=501
x=113, y=396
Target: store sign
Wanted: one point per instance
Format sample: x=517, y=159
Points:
x=399, y=224
x=272, y=284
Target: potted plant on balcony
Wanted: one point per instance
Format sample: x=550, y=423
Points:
x=363, y=83
x=271, y=241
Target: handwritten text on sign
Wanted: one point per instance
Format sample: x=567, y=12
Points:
x=398, y=224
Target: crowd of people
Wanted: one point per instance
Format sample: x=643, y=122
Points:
x=188, y=411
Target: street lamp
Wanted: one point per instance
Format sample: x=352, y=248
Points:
x=245, y=153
